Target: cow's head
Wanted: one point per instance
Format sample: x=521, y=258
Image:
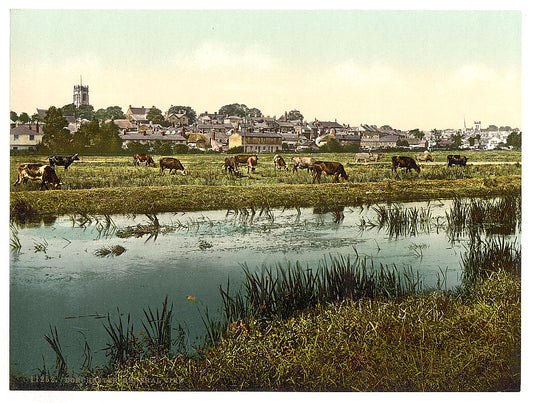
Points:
x=75, y=157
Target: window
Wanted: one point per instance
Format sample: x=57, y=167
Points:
x=15, y=137
x=32, y=137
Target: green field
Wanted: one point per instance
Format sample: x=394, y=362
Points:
x=112, y=184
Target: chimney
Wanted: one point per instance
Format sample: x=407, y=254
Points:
x=37, y=127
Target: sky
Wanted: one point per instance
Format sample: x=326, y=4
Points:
x=404, y=68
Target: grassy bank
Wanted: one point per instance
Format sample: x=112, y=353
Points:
x=433, y=342
x=200, y=197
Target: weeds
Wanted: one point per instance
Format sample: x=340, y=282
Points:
x=116, y=250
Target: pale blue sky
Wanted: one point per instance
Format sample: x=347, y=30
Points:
x=404, y=68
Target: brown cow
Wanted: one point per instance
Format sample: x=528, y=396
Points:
x=329, y=168
x=425, y=156
x=231, y=164
x=252, y=163
x=172, y=164
x=144, y=158
x=302, y=162
x=404, y=162
x=279, y=162
x=243, y=158
x=38, y=172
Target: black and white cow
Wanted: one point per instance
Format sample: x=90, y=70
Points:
x=62, y=160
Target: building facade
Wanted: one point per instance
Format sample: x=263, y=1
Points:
x=256, y=142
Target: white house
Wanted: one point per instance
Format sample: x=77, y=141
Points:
x=25, y=137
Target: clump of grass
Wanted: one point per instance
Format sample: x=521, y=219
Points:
x=116, y=250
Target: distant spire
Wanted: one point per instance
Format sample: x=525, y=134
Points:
x=81, y=82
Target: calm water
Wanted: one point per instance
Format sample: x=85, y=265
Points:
x=58, y=279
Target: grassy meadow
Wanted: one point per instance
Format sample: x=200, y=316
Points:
x=112, y=184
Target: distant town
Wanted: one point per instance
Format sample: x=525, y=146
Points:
x=235, y=126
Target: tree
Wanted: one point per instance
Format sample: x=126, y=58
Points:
x=155, y=116
x=110, y=113
x=417, y=133
x=68, y=110
x=190, y=112
x=457, y=139
x=13, y=116
x=84, y=112
x=295, y=115
x=37, y=118
x=514, y=140
x=240, y=110
x=56, y=138
x=24, y=118
x=437, y=135
x=332, y=146
x=402, y=143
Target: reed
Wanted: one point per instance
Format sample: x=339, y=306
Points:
x=61, y=364
x=279, y=292
x=123, y=345
x=158, y=330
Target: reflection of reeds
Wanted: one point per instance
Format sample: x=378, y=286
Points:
x=400, y=221
x=14, y=241
x=477, y=216
x=116, y=250
x=484, y=258
x=40, y=246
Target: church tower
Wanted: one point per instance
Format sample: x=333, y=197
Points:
x=81, y=95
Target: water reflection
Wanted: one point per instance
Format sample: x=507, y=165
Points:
x=181, y=254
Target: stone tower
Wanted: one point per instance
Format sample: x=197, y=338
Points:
x=81, y=95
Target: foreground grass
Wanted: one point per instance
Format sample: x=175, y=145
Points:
x=434, y=342
x=155, y=199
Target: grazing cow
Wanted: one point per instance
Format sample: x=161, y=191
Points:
x=365, y=157
x=404, y=162
x=230, y=163
x=172, y=164
x=279, y=162
x=457, y=160
x=62, y=160
x=302, y=162
x=143, y=158
x=243, y=158
x=425, y=156
x=329, y=168
x=38, y=172
x=252, y=163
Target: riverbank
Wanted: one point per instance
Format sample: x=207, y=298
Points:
x=433, y=342
x=154, y=199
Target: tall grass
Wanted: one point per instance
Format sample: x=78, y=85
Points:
x=278, y=291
